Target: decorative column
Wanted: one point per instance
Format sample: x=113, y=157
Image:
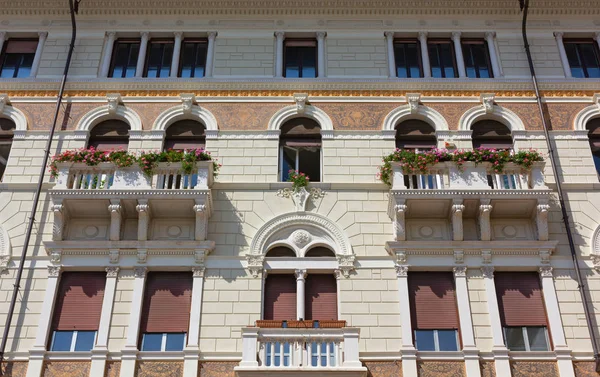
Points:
x=108, y=48
x=143, y=209
x=457, y=219
x=490, y=37
x=139, y=68
x=2, y=39
x=409, y=353
x=596, y=37
x=563, y=54
x=425, y=54
x=61, y=217
x=389, y=38
x=460, y=61
x=38, y=54
x=280, y=37
x=556, y=330
x=338, y=274
x=192, y=350
x=129, y=353
x=300, y=281
x=400, y=210
x=501, y=360
x=36, y=354
x=321, y=53
x=466, y=322
x=201, y=228
x=100, y=350
x=176, y=53
x=210, y=54
x=116, y=217
x=485, y=228
x=541, y=219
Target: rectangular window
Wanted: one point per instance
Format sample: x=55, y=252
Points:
x=477, y=58
x=166, y=311
x=280, y=297
x=432, y=293
x=17, y=58
x=77, y=311
x=407, y=54
x=441, y=58
x=159, y=58
x=124, y=59
x=584, y=58
x=192, y=61
x=300, y=58
x=305, y=159
x=522, y=311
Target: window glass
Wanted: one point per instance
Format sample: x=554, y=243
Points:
x=159, y=59
x=441, y=57
x=17, y=58
x=595, y=155
x=288, y=162
x=62, y=341
x=124, y=60
x=152, y=342
x=300, y=59
x=175, y=342
x=584, y=58
x=515, y=340
x=477, y=61
x=310, y=163
x=85, y=340
x=408, y=57
x=425, y=340
x=193, y=59
x=537, y=339
x=447, y=340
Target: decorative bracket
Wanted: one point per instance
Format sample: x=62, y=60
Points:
x=56, y=256
x=4, y=101
x=60, y=220
x=545, y=256
x=142, y=255
x=114, y=100
x=541, y=219
x=459, y=256
x=486, y=256
x=113, y=256
x=201, y=229
x=487, y=99
x=143, y=209
x=457, y=219
x=301, y=100
x=116, y=217
x=301, y=195
x=255, y=264
x=596, y=261
x=187, y=101
x=199, y=256
x=485, y=229
x=400, y=211
x=413, y=100
x=346, y=264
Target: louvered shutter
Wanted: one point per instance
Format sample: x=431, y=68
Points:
x=433, y=300
x=491, y=134
x=79, y=302
x=301, y=132
x=280, y=297
x=21, y=46
x=414, y=133
x=321, y=297
x=167, y=302
x=185, y=134
x=109, y=135
x=520, y=299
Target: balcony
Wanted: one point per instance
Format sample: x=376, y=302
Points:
x=300, y=352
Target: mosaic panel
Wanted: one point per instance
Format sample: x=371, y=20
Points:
x=384, y=368
x=358, y=116
x=585, y=369
x=14, y=369
x=441, y=368
x=217, y=369
x=66, y=368
x=159, y=369
x=534, y=369
x=113, y=369
x=488, y=369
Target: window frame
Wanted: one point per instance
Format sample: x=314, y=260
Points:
x=111, y=69
x=162, y=41
x=437, y=42
x=400, y=41
x=577, y=42
x=196, y=41
x=163, y=344
x=486, y=49
x=526, y=337
x=300, y=70
x=73, y=340
x=9, y=142
x=436, y=339
x=297, y=162
x=3, y=54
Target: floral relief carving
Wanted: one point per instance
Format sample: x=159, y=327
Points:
x=14, y=369
x=148, y=112
x=534, y=369
x=357, y=116
x=441, y=369
x=243, y=116
x=452, y=111
x=217, y=369
x=159, y=369
x=585, y=369
x=488, y=369
x=384, y=369
x=66, y=368
x=113, y=369
x=563, y=115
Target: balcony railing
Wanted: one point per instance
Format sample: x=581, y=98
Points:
x=300, y=349
x=107, y=176
x=447, y=175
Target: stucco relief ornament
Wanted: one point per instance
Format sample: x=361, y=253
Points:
x=487, y=99
x=546, y=272
x=413, y=101
x=346, y=264
x=401, y=270
x=301, y=100
x=300, y=196
x=300, y=238
x=4, y=101
x=255, y=264
x=114, y=100
x=596, y=261
x=188, y=100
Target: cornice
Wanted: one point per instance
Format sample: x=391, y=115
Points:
x=298, y=7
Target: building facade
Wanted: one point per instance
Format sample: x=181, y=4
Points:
x=147, y=264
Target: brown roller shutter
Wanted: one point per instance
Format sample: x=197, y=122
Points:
x=413, y=134
x=167, y=302
x=280, y=297
x=22, y=46
x=109, y=135
x=491, y=134
x=593, y=127
x=300, y=43
x=433, y=300
x=79, y=301
x=321, y=297
x=185, y=134
x=520, y=299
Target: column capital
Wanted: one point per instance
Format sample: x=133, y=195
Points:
x=279, y=34
x=456, y=35
x=2, y=35
x=198, y=272
x=145, y=34
x=597, y=36
x=178, y=34
x=140, y=272
x=212, y=35
x=422, y=35
x=300, y=274
x=490, y=34
x=389, y=34
x=111, y=34
x=43, y=34
x=338, y=274
x=558, y=34
x=401, y=270
x=112, y=272
x=54, y=271
x=321, y=35
x=546, y=272
x=460, y=272
x=488, y=271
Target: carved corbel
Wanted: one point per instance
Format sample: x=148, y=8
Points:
x=401, y=270
x=199, y=256
x=486, y=256
x=114, y=100
x=255, y=264
x=400, y=210
x=56, y=256
x=142, y=256
x=487, y=100
x=61, y=217
x=116, y=218
x=301, y=100
x=460, y=272
x=545, y=256
x=143, y=210
x=113, y=256
x=485, y=228
x=188, y=100
x=457, y=219
x=4, y=101
x=346, y=264
x=112, y=272
x=541, y=219
x=488, y=272
x=201, y=221
x=459, y=256
x=413, y=100
x=198, y=271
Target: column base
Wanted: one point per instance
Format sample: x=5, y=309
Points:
x=35, y=367
x=191, y=358
x=502, y=361
x=564, y=360
x=99, y=356
x=128, y=362
x=409, y=361
x=472, y=366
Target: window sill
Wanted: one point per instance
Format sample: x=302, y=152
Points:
x=160, y=355
x=532, y=355
x=440, y=355
x=68, y=355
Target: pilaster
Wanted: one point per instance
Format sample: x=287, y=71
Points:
x=409, y=353
x=470, y=351
x=38, y=54
x=460, y=61
x=141, y=61
x=100, y=350
x=192, y=350
x=563, y=54
x=130, y=351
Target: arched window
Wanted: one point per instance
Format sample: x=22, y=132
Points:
x=281, y=252
x=7, y=128
x=319, y=251
x=593, y=127
x=185, y=134
x=415, y=134
x=491, y=134
x=300, y=148
x=109, y=135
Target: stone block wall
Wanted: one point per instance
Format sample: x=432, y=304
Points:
x=85, y=60
x=243, y=56
x=352, y=57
